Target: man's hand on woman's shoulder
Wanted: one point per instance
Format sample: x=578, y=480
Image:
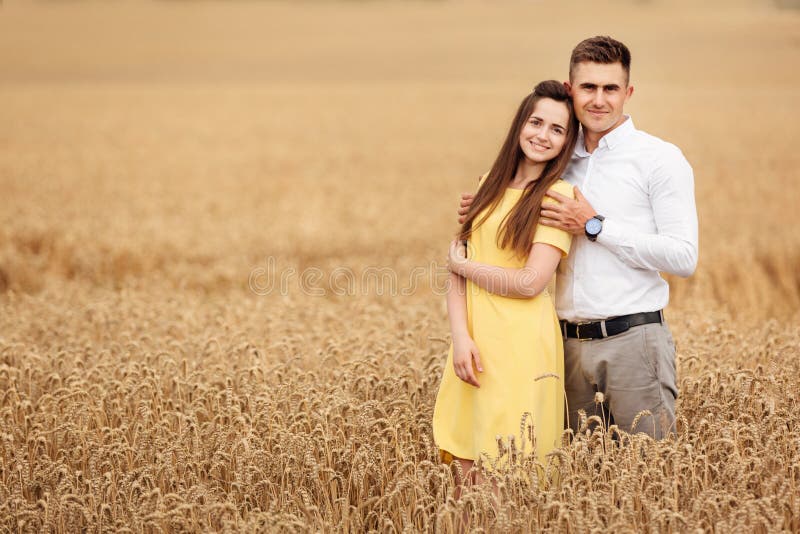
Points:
x=566, y=213
x=463, y=208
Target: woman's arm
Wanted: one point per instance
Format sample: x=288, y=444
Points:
x=464, y=348
x=524, y=283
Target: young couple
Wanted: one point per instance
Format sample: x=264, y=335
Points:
x=608, y=207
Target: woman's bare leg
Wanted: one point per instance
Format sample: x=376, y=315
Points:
x=464, y=475
x=479, y=479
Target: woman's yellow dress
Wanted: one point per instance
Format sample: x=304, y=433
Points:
x=522, y=353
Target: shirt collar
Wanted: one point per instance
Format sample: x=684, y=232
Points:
x=580, y=146
x=610, y=140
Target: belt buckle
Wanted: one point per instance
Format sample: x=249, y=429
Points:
x=578, y=331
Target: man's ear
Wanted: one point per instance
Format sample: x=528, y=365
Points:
x=568, y=86
x=629, y=92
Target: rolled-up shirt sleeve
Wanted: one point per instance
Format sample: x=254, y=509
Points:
x=674, y=246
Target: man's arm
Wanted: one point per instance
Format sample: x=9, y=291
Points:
x=673, y=249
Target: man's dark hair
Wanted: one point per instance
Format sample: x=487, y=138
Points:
x=601, y=49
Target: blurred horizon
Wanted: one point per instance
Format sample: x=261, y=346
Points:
x=345, y=42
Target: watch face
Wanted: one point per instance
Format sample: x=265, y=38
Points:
x=593, y=226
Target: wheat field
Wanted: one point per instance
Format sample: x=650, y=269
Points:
x=221, y=235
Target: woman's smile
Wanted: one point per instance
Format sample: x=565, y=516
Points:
x=539, y=147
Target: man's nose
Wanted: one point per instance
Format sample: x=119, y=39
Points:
x=598, y=100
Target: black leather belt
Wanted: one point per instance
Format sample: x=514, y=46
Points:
x=609, y=327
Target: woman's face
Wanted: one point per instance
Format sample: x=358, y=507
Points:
x=545, y=132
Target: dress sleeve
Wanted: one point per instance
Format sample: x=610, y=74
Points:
x=554, y=236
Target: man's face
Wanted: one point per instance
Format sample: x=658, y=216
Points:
x=599, y=92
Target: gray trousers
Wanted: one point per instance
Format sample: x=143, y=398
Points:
x=635, y=371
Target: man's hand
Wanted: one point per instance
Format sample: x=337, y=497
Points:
x=466, y=202
x=567, y=214
x=465, y=352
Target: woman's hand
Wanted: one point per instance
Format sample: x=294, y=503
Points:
x=457, y=257
x=465, y=352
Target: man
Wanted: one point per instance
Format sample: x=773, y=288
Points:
x=633, y=216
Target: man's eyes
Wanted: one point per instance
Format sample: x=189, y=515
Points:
x=607, y=88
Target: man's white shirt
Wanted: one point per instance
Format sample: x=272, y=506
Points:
x=644, y=187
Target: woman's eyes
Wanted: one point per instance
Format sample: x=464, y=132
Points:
x=537, y=122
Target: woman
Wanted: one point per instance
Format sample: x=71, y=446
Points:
x=506, y=358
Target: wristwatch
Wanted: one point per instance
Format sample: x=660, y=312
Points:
x=593, y=227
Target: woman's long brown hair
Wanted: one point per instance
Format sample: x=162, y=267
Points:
x=518, y=227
